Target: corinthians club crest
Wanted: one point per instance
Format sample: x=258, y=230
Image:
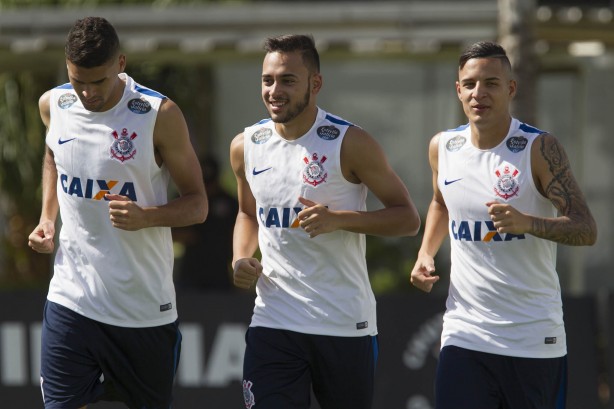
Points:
x=314, y=173
x=122, y=147
x=248, y=395
x=507, y=181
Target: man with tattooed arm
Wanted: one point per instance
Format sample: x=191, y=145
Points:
x=505, y=194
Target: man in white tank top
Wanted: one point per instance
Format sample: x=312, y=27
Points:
x=302, y=178
x=505, y=194
x=112, y=146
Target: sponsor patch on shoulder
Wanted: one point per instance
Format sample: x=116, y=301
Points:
x=261, y=135
x=67, y=100
x=517, y=143
x=456, y=143
x=139, y=106
x=328, y=133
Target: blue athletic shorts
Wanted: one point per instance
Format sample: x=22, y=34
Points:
x=85, y=361
x=281, y=368
x=477, y=380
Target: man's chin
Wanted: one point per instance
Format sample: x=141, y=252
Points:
x=279, y=119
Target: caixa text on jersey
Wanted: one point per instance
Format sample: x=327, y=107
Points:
x=96, y=189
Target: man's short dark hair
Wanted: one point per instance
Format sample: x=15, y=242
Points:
x=91, y=42
x=296, y=42
x=484, y=49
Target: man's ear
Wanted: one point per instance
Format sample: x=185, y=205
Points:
x=122, y=62
x=513, y=86
x=316, y=83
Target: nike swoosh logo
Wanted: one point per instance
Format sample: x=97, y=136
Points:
x=449, y=182
x=61, y=142
x=257, y=172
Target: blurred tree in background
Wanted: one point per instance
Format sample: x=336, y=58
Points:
x=22, y=143
x=22, y=140
x=21, y=151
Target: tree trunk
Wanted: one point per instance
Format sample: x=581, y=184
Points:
x=517, y=36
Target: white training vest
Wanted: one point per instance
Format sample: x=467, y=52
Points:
x=504, y=295
x=114, y=276
x=314, y=285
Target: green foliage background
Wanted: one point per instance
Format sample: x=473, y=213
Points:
x=21, y=151
x=22, y=142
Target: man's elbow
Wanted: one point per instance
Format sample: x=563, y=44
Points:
x=201, y=210
x=586, y=235
x=413, y=225
x=410, y=225
x=204, y=212
x=592, y=237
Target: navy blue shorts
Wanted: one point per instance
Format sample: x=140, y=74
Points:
x=84, y=361
x=281, y=368
x=477, y=380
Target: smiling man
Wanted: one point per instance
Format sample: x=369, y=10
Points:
x=303, y=176
x=498, y=186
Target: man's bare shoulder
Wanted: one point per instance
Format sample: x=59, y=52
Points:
x=44, y=107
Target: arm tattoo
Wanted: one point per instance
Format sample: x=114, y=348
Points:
x=577, y=226
x=559, y=190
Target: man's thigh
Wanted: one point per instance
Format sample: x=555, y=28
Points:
x=276, y=371
x=343, y=371
x=84, y=361
x=70, y=375
x=470, y=379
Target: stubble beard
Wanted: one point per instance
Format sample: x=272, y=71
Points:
x=294, y=111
